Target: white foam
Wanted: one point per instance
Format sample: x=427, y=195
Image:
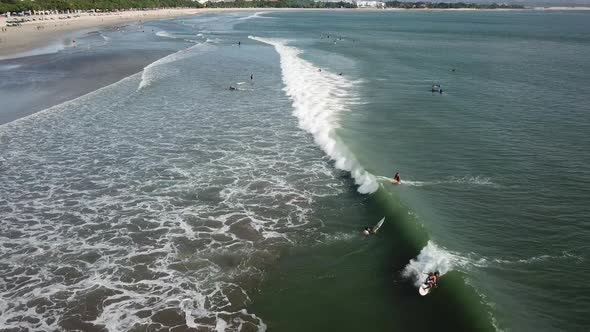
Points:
x=540, y=259
x=221, y=325
x=65, y=106
x=404, y=181
x=318, y=97
x=337, y=237
x=153, y=71
x=475, y=180
x=174, y=218
x=471, y=180
x=433, y=258
x=163, y=33
x=55, y=47
x=9, y=67
x=255, y=15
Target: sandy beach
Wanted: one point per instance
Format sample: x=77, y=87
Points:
x=47, y=29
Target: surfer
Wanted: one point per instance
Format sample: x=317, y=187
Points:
x=397, y=178
x=368, y=231
x=432, y=280
x=232, y=88
x=251, y=77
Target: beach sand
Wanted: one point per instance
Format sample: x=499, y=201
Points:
x=47, y=29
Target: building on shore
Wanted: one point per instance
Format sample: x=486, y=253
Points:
x=370, y=4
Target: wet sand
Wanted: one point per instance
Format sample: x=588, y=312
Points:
x=48, y=29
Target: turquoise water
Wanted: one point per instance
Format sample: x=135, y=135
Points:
x=167, y=199
x=497, y=169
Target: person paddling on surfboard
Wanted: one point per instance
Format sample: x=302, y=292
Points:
x=368, y=231
x=397, y=178
x=373, y=230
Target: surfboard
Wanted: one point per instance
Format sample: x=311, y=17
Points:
x=379, y=224
x=423, y=290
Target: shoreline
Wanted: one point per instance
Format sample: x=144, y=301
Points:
x=46, y=30
x=50, y=29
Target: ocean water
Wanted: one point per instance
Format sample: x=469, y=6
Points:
x=167, y=201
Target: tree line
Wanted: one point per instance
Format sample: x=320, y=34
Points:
x=280, y=4
x=104, y=5
x=448, y=5
x=110, y=5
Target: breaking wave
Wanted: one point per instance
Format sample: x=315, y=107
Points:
x=318, y=98
x=154, y=70
x=433, y=258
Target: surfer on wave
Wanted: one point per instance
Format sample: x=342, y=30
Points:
x=432, y=280
x=396, y=178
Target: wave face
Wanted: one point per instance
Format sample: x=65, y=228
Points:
x=318, y=98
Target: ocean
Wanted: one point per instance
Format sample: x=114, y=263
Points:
x=214, y=173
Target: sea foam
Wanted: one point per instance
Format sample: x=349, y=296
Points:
x=255, y=15
x=154, y=70
x=433, y=258
x=318, y=98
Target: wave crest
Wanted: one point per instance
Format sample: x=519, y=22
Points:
x=432, y=258
x=318, y=97
x=153, y=71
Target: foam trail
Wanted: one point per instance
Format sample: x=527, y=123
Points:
x=151, y=72
x=432, y=258
x=404, y=182
x=416, y=183
x=49, y=49
x=255, y=15
x=470, y=180
x=318, y=97
x=475, y=180
x=539, y=259
x=163, y=33
x=9, y=67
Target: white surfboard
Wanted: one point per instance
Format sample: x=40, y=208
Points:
x=379, y=224
x=424, y=290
